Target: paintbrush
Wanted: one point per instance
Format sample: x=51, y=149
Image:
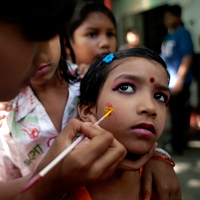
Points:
x=59, y=157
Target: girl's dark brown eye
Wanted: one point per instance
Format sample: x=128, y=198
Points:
x=161, y=97
x=125, y=88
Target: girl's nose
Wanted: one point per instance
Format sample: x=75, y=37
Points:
x=44, y=53
x=103, y=42
x=147, y=106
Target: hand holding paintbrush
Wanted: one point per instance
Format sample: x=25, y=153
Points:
x=59, y=157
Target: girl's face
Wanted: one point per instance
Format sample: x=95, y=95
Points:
x=95, y=37
x=47, y=70
x=138, y=91
x=19, y=58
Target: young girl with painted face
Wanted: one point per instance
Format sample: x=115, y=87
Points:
x=92, y=34
x=134, y=84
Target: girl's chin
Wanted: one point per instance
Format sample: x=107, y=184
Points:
x=133, y=157
x=129, y=163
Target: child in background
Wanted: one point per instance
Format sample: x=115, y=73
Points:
x=39, y=114
x=133, y=82
x=92, y=34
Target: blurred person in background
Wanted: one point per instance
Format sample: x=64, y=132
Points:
x=177, y=52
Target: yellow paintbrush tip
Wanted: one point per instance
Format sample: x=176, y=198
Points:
x=108, y=113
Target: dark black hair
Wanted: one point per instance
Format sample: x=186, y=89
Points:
x=39, y=19
x=81, y=12
x=97, y=74
x=63, y=69
x=175, y=10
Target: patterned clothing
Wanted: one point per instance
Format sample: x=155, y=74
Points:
x=28, y=132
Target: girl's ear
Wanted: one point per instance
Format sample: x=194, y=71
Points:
x=86, y=112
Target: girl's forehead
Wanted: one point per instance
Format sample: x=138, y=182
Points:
x=138, y=66
x=94, y=16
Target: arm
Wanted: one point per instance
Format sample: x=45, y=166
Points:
x=95, y=162
x=161, y=175
x=9, y=190
x=182, y=72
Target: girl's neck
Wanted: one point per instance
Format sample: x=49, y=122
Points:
x=121, y=185
x=55, y=83
x=175, y=27
x=53, y=95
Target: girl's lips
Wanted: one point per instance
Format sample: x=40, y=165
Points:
x=144, y=129
x=103, y=54
x=42, y=69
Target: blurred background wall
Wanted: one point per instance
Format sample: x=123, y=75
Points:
x=147, y=17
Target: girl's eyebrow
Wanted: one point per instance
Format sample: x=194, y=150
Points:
x=127, y=76
x=95, y=28
x=90, y=28
x=140, y=79
x=162, y=87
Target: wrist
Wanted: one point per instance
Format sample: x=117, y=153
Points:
x=159, y=150
x=163, y=155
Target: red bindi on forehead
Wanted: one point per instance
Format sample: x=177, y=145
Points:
x=152, y=79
